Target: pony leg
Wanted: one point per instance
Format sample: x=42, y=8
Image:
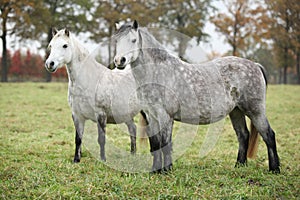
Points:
x=155, y=144
x=167, y=145
x=154, y=136
x=101, y=124
x=79, y=127
x=238, y=121
x=132, y=131
x=262, y=125
x=160, y=138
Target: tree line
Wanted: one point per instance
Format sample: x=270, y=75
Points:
x=26, y=66
x=265, y=31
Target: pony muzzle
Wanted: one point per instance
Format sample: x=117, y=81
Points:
x=50, y=66
x=120, y=62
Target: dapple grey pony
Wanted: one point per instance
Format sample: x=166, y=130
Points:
x=95, y=92
x=170, y=89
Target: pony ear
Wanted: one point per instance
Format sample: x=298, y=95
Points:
x=118, y=25
x=67, y=32
x=54, y=31
x=135, y=25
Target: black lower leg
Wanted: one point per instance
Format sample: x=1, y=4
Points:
x=133, y=144
x=238, y=121
x=101, y=136
x=155, y=145
x=132, y=131
x=274, y=164
x=243, y=147
x=101, y=141
x=167, y=152
x=77, y=148
x=167, y=146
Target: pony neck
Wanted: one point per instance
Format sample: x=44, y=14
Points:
x=151, y=50
x=148, y=40
x=79, y=55
x=83, y=70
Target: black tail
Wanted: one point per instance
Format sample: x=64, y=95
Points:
x=263, y=70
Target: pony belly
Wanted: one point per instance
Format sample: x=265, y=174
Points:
x=83, y=108
x=118, y=119
x=199, y=120
x=88, y=114
x=205, y=113
x=119, y=114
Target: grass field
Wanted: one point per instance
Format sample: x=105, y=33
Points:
x=37, y=147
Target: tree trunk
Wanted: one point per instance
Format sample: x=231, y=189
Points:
x=298, y=66
x=234, y=50
x=235, y=31
x=280, y=76
x=285, y=75
x=182, y=47
x=48, y=76
x=110, y=60
x=4, y=59
x=4, y=51
x=285, y=65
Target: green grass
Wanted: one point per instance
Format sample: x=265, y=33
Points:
x=37, y=147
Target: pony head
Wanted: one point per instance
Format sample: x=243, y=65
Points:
x=60, y=52
x=127, y=44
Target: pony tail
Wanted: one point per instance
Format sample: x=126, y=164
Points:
x=253, y=142
x=264, y=72
x=253, y=139
x=142, y=129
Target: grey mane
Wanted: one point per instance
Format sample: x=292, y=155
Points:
x=155, y=49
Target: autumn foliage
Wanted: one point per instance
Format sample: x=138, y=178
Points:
x=24, y=66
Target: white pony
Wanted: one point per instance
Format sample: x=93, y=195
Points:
x=95, y=92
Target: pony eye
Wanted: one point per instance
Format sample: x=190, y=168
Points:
x=134, y=40
x=65, y=46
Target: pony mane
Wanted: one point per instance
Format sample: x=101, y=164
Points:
x=155, y=49
x=149, y=41
x=80, y=48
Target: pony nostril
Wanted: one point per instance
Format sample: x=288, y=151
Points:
x=51, y=64
x=123, y=60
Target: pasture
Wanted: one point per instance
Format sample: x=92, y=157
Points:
x=37, y=149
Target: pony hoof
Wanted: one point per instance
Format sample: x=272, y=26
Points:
x=76, y=160
x=168, y=169
x=275, y=171
x=103, y=159
x=240, y=164
x=133, y=153
x=156, y=171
